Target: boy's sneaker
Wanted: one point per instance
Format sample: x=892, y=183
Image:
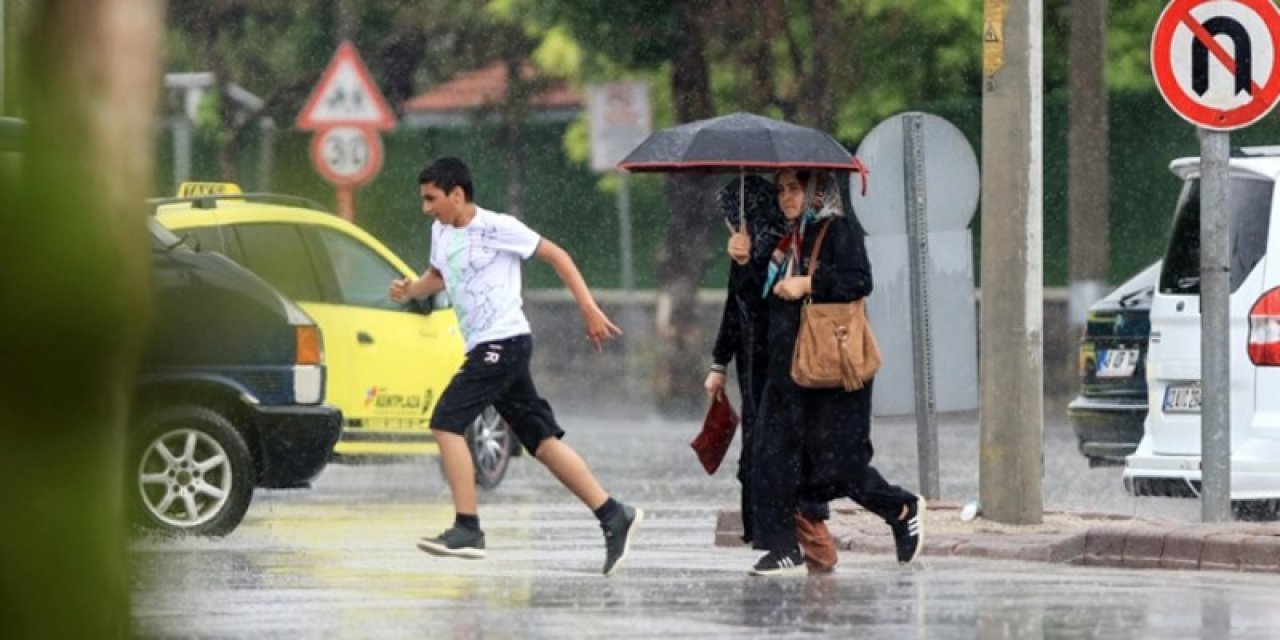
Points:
x=455, y=542
x=908, y=532
x=780, y=564
x=618, y=532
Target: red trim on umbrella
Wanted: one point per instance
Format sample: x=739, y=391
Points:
x=853, y=165
x=862, y=174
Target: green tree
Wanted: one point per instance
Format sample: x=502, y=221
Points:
x=279, y=49
x=75, y=293
x=648, y=34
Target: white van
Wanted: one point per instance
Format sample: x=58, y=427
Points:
x=1167, y=460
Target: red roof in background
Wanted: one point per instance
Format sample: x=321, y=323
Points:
x=475, y=89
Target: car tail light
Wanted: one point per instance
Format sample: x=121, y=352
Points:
x=1264, y=330
x=310, y=349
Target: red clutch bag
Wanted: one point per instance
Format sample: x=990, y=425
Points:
x=717, y=433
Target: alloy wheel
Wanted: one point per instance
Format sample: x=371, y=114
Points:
x=185, y=478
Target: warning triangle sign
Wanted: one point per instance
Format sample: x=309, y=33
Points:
x=346, y=95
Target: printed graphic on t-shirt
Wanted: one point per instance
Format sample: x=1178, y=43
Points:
x=467, y=255
x=481, y=268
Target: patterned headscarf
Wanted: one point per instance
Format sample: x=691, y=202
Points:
x=822, y=200
x=823, y=196
x=765, y=223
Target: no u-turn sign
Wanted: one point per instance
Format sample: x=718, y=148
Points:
x=1214, y=61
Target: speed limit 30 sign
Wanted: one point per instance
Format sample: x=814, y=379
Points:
x=1214, y=61
x=347, y=155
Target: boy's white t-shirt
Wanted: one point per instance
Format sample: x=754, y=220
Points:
x=481, y=267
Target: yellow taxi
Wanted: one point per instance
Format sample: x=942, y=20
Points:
x=388, y=362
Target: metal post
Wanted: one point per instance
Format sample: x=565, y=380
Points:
x=629, y=323
x=1215, y=328
x=181, y=149
x=921, y=332
x=1011, y=465
x=266, y=153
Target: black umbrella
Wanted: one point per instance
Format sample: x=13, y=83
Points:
x=738, y=142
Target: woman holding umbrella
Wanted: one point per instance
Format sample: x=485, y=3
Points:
x=808, y=444
x=815, y=444
x=750, y=208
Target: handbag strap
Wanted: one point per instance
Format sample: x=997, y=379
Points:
x=817, y=244
x=813, y=254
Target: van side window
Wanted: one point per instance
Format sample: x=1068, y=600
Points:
x=1249, y=212
x=362, y=277
x=277, y=253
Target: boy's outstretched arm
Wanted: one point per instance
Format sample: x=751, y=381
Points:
x=429, y=284
x=599, y=327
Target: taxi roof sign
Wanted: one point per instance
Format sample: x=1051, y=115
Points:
x=198, y=189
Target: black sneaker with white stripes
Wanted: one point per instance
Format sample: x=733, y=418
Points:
x=780, y=564
x=908, y=532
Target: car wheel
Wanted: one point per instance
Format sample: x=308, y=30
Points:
x=490, y=440
x=191, y=472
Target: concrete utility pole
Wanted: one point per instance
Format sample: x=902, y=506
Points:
x=1011, y=465
x=1087, y=136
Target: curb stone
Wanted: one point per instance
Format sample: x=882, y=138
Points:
x=1063, y=537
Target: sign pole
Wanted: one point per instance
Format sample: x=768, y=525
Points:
x=1217, y=89
x=345, y=201
x=625, y=248
x=1215, y=328
x=621, y=118
x=921, y=331
x=346, y=110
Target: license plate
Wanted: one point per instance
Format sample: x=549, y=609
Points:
x=1117, y=363
x=1182, y=398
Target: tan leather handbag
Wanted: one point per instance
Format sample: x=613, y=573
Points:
x=834, y=347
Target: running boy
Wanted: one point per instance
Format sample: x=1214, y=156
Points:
x=476, y=255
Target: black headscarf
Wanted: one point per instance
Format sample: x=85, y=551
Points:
x=765, y=223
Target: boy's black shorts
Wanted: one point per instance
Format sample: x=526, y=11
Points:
x=497, y=373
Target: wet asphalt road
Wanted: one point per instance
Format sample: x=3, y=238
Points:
x=339, y=561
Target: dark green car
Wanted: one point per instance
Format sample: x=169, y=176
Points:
x=229, y=393
x=1109, y=412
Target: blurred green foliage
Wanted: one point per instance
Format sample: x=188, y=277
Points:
x=892, y=56
x=574, y=207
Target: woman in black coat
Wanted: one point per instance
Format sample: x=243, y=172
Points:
x=742, y=339
x=745, y=320
x=815, y=444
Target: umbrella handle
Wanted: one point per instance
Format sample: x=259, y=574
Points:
x=742, y=200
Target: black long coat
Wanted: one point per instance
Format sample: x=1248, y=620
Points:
x=815, y=444
x=742, y=337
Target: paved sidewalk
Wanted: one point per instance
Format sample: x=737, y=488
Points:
x=1093, y=539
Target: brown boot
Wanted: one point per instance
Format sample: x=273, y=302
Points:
x=817, y=544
